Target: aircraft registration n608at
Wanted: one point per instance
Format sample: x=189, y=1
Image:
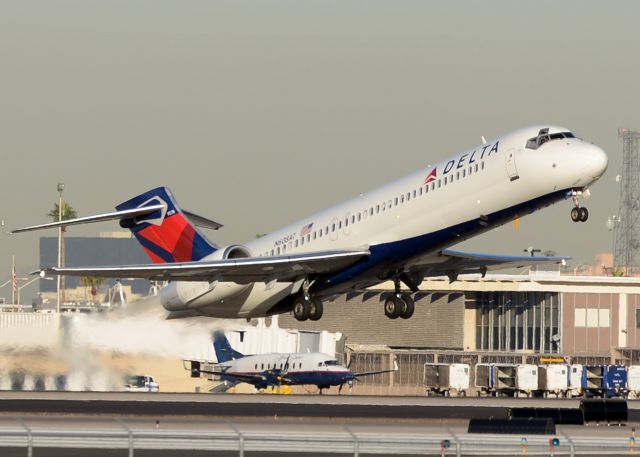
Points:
x=401, y=232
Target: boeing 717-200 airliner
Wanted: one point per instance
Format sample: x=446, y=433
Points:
x=401, y=232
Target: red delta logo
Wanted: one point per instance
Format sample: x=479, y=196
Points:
x=433, y=174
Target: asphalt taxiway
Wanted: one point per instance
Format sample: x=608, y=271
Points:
x=238, y=405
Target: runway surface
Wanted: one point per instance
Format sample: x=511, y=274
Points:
x=236, y=405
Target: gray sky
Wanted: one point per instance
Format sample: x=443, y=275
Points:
x=259, y=113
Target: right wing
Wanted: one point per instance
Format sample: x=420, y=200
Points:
x=256, y=378
x=242, y=270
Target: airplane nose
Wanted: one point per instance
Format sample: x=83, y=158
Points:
x=596, y=161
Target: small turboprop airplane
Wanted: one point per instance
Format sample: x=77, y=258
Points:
x=275, y=370
x=401, y=232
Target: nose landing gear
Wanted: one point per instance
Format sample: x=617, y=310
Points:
x=579, y=213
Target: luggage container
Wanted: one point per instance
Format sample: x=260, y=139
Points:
x=575, y=381
x=553, y=380
x=615, y=381
x=482, y=379
x=446, y=379
x=504, y=379
x=526, y=380
x=496, y=379
x=593, y=380
x=633, y=381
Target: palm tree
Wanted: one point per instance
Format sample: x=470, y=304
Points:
x=92, y=283
x=67, y=213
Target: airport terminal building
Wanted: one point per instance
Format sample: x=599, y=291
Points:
x=501, y=318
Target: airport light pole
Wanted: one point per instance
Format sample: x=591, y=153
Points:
x=60, y=189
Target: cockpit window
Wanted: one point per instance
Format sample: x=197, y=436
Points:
x=330, y=362
x=544, y=136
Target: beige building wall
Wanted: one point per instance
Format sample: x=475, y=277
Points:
x=438, y=322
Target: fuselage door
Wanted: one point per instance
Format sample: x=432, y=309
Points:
x=510, y=162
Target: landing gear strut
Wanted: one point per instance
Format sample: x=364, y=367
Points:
x=578, y=213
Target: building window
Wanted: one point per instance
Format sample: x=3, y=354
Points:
x=638, y=318
x=592, y=317
x=517, y=321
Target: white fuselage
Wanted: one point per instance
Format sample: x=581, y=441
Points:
x=438, y=200
x=294, y=369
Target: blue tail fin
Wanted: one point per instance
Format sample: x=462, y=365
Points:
x=224, y=351
x=166, y=236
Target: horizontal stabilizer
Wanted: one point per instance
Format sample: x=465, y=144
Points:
x=115, y=215
x=200, y=221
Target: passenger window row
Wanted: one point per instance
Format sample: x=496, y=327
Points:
x=377, y=209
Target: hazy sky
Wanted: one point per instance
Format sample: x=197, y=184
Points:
x=259, y=113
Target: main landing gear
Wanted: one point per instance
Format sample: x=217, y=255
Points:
x=578, y=213
x=306, y=307
x=399, y=305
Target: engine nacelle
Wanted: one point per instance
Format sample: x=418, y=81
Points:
x=234, y=251
x=182, y=295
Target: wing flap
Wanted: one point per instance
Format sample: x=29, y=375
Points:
x=243, y=270
x=450, y=262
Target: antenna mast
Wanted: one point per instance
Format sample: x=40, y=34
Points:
x=627, y=229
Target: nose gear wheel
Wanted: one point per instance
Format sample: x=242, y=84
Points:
x=579, y=214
